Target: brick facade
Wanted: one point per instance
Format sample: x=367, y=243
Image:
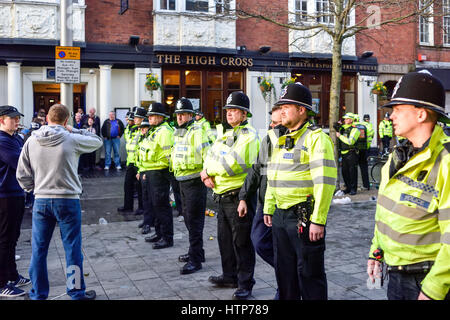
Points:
x=254, y=33
x=104, y=24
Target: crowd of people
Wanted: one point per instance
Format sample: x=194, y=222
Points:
x=273, y=194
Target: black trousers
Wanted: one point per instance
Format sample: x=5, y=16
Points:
x=299, y=263
x=193, y=198
x=158, y=187
x=386, y=143
x=406, y=286
x=11, y=215
x=261, y=236
x=147, y=204
x=350, y=170
x=364, y=167
x=130, y=184
x=235, y=246
x=177, y=195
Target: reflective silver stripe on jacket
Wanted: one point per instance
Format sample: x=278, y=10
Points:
x=291, y=183
x=417, y=213
x=188, y=177
x=407, y=238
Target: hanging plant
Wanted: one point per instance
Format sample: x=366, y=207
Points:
x=152, y=83
x=287, y=82
x=379, y=89
x=266, y=85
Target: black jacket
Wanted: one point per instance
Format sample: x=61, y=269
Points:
x=106, y=128
x=257, y=176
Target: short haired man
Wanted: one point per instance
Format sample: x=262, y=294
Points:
x=301, y=176
x=412, y=220
x=48, y=166
x=11, y=202
x=112, y=130
x=225, y=169
x=385, y=131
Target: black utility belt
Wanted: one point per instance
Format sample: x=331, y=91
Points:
x=228, y=194
x=421, y=267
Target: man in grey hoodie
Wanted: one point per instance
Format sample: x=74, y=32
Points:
x=48, y=165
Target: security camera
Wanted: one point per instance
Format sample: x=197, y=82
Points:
x=91, y=71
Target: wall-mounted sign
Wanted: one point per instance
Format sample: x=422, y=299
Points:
x=67, y=64
x=204, y=60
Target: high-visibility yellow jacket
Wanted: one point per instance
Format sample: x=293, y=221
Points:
x=385, y=129
x=348, y=138
x=309, y=168
x=207, y=128
x=189, y=150
x=131, y=142
x=370, y=133
x=231, y=156
x=155, y=148
x=412, y=220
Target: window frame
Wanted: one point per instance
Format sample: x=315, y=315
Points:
x=446, y=26
x=321, y=10
x=428, y=23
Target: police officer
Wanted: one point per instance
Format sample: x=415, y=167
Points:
x=154, y=154
x=348, y=136
x=301, y=178
x=261, y=234
x=188, y=152
x=149, y=217
x=412, y=224
x=130, y=182
x=363, y=151
x=370, y=131
x=385, y=131
x=225, y=169
x=199, y=118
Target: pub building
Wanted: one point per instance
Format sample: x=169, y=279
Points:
x=200, y=59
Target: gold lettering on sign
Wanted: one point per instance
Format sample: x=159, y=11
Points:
x=177, y=59
x=212, y=60
x=224, y=61
x=160, y=57
x=190, y=60
x=203, y=60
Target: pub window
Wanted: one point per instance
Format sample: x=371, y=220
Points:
x=425, y=24
x=123, y=6
x=324, y=14
x=197, y=5
x=167, y=4
x=301, y=10
x=446, y=21
x=348, y=92
x=222, y=6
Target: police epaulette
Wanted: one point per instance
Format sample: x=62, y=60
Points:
x=447, y=146
x=313, y=127
x=244, y=130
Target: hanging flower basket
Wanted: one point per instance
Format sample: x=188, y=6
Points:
x=266, y=86
x=379, y=89
x=287, y=82
x=152, y=83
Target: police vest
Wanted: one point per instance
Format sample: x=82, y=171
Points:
x=361, y=143
x=154, y=150
x=131, y=143
x=412, y=220
x=346, y=132
x=231, y=156
x=306, y=168
x=189, y=149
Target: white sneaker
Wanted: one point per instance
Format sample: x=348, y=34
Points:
x=119, y=168
x=106, y=168
x=17, y=257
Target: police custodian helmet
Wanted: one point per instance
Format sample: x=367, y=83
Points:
x=158, y=109
x=140, y=112
x=420, y=89
x=184, y=106
x=296, y=93
x=238, y=100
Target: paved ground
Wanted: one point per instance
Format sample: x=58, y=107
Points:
x=119, y=264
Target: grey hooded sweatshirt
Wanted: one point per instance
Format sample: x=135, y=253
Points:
x=48, y=164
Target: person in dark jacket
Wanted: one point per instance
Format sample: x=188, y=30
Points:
x=112, y=130
x=12, y=202
x=261, y=235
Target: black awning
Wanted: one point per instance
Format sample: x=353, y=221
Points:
x=441, y=74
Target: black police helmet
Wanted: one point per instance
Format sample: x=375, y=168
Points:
x=157, y=108
x=184, y=106
x=296, y=93
x=199, y=112
x=420, y=89
x=130, y=115
x=140, y=112
x=238, y=100
x=366, y=116
x=144, y=123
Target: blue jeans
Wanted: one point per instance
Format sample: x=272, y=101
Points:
x=115, y=145
x=46, y=213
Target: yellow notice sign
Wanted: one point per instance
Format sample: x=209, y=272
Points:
x=67, y=53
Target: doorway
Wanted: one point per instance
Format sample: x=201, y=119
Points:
x=47, y=94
